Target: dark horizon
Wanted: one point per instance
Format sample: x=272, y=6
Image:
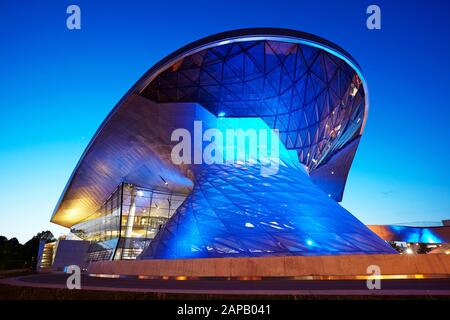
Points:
x=58, y=85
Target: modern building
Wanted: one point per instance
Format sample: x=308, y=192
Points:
x=415, y=238
x=131, y=200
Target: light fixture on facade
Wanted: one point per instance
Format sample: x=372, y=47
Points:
x=164, y=180
x=353, y=90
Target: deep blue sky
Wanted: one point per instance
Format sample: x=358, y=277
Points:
x=57, y=85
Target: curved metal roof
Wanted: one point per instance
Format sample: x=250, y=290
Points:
x=110, y=158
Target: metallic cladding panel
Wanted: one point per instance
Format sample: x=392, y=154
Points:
x=329, y=75
x=332, y=176
x=128, y=149
x=70, y=252
x=313, y=94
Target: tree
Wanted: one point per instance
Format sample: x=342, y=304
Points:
x=14, y=255
x=11, y=253
x=31, y=247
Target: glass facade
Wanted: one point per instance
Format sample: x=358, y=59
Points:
x=236, y=211
x=126, y=222
x=315, y=99
x=312, y=96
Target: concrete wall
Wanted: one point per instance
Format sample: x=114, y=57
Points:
x=292, y=266
x=70, y=252
x=39, y=255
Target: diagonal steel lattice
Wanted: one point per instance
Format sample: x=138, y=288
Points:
x=315, y=99
x=233, y=212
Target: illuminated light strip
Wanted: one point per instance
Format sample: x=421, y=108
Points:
x=247, y=278
x=103, y=275
x=394, y=276
x=259, y=278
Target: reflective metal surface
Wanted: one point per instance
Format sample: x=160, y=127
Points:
x=305, y=87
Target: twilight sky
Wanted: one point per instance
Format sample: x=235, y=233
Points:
x=57, y=85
